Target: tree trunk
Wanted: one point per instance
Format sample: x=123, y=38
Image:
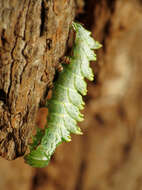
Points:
x=109, y=154
x=33, y=37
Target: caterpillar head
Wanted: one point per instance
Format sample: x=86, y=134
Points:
x=37, y=158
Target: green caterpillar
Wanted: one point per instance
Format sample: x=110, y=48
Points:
x=66, y=100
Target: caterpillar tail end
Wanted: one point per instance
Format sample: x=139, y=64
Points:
x=37, y=159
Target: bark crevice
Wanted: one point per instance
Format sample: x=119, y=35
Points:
x=33, y=38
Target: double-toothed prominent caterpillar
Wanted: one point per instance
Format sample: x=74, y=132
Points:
x=66, y=100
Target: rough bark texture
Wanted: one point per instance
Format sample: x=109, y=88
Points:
x=33, y=37
x=109, y=154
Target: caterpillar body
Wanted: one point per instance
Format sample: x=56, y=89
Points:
x=66, y=102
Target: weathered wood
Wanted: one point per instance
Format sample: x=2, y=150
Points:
x=33, y=37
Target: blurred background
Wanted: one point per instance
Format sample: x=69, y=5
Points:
x=109, y=154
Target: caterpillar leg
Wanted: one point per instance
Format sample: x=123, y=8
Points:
x=59, y=67
x=65, y=60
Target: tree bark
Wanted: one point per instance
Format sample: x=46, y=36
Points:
x=33, y=37
x=109, y=154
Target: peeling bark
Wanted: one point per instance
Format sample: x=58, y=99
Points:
x=33, y=36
